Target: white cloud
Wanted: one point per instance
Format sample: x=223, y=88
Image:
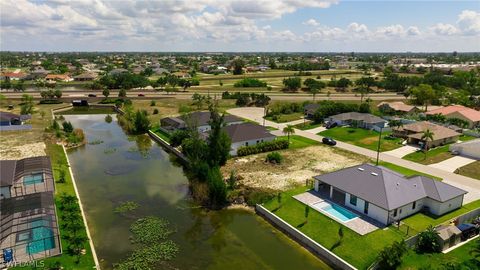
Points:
x=444, y=29
x=357, y=28
x=311, y=22
x=469, y=22
x=395, y=30
x=413, y=31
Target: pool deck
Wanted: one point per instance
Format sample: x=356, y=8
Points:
x=361, y=224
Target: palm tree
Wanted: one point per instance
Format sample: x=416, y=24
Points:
x=314, y=90
x=288, y=130
x=427, y=136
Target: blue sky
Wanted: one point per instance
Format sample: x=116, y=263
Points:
x=234, y=25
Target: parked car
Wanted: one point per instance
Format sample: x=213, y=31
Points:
x=330, y=125
x=468, y=230
x=141, y=95
x=92, y=95
x=329, y=141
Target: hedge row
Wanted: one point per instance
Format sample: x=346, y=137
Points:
x=262, y=147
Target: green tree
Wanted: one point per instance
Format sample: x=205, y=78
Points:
x=307, y=212
x=292, y=83
x=288, y=130
x=427, y=136
x=122, y=93
x=343, y=83
x=106, y=92
x=391, y=256
x=423, y=94
x=238, y=65
x=217, y=189
x=428, y=241
x=394, y=124
x=364, y=85
x=67, y=127
x=27, y=104
x=58, y=93
x=141, y=122
x=219, y=143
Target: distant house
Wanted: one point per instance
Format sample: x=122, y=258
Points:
x=469, y=149
x=247, y=134
x=471, y=116
x=14, y=76
x=181, y=74
x=362, y=120
x=38, y=72
x=414, y=132
x=198, y=119
x=9, y=119
x=87, y=76
x=387, y=196
x=310, y=109
x=117, y=71
x=58, y=77
x=27, y=209
x=397, y=107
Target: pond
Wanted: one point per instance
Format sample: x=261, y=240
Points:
x=118, y=168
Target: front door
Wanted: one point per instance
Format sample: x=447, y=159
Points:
x=365, y=208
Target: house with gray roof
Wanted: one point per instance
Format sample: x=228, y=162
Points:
x=361, y=120
x=200, y=120
x=247, y=134
x=388, y=196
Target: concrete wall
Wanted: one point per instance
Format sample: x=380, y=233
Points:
x=168, y=147
x=235, y=146
x=314, y=247
x=438, y=208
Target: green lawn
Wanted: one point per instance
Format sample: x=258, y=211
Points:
x=59, y=162
x=282, y=118
x=471, y=170
x=421, y=221
x=405, y=171
x=363, y=138
x=307, y=125
x=164, y=135
x=360, y=251
x=434, y=155
x=462, y=255
x=297, y=141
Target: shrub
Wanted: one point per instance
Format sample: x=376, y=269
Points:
x=177, y=137
x=153, y=103
x=263, y=147
x=155, y=111
x=258, y=197
x=274, y=157
x=67, y=127
x=250, y=82
x=428, y=241
x=390, y=257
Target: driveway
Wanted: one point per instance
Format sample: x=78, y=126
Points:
x=316, y=130
x=402, y=151
x=451, y=164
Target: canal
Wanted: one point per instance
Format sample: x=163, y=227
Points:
x=115, y=168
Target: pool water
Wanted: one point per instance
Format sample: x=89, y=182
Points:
x=42, y=237
x=338, y=212
x=33, y=179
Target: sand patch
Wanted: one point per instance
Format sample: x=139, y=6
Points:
x=299, y=165
x=23, y=151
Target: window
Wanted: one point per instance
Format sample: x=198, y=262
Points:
x=33, y=179
x=353, y=200
x=413, y=205
x=246, y=144
x=395, y=212
x=365, y=208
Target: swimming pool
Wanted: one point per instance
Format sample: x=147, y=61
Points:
x=33, y=179
x=335, y=211
x=41, y=237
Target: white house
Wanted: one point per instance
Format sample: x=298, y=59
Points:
x=247, y=134
x=388, y=196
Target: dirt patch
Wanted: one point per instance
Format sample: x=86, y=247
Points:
x=23, y=151
x=298, y=166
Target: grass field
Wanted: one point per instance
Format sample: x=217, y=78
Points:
x=471, y=170
x=283, y=118
x=462, y=255
x=405, y=171
x=307, y=125
x=363, y=138
x=421, y=221
x=165, y=136
x=434, y=155
x=361, y=251
x=297, y=141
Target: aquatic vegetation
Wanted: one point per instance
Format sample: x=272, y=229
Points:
x=127, y=206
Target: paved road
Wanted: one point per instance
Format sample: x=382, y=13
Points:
x=149, y=94
x=469, y=184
